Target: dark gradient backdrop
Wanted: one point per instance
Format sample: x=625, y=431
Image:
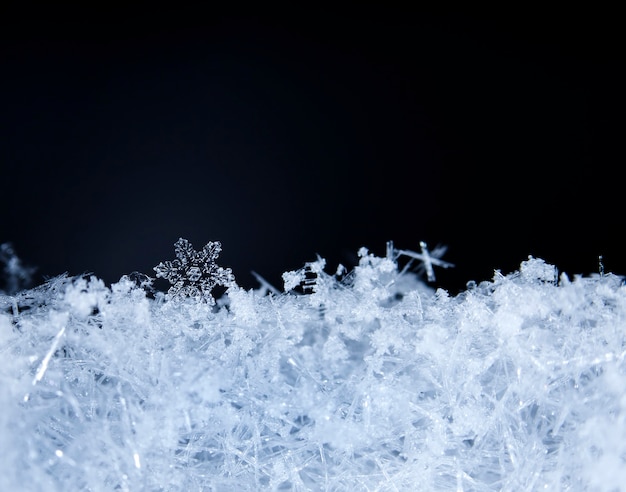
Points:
x=498, y=137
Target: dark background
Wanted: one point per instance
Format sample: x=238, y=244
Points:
x=286, y=137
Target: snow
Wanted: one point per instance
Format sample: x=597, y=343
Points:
x=362, y=380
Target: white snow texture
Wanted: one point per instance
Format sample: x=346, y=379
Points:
x=363, y=382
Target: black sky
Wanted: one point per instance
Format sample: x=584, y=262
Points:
x=499, y=137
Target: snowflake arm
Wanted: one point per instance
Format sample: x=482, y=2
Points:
x=194, y=273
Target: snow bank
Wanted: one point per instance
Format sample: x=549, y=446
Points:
x=365, y=381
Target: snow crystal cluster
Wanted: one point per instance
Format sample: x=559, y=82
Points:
x=361, y=381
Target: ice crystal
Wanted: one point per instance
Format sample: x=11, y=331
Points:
x=16, y=275
x=428, y=258
x=194, y=273
x=373, y=380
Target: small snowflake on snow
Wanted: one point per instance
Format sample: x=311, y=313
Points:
x=194, y=273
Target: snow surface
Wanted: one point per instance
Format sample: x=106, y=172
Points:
x=361, y=381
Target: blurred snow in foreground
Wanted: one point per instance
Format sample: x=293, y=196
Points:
x=360, y=381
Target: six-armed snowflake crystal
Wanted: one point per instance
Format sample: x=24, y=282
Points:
x=194, y=273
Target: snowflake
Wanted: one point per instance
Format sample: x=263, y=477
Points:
x=428, y=258
x=194, y=273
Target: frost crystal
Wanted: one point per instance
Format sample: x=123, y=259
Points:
x=428, y=258
x=194, y=273
x=371, y=381
x=16, y=275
